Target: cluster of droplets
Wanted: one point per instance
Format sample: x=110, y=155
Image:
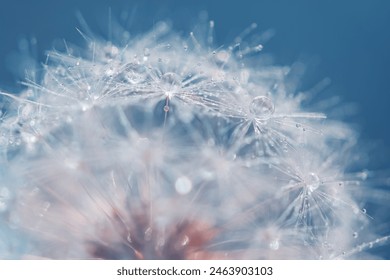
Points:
x=168, y=148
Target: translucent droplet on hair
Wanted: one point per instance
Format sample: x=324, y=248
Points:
x=262, y=107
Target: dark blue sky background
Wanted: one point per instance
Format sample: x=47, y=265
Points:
x=347, y=41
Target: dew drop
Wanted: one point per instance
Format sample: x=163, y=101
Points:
x=45, y=207
x=258, y=48
x=262, y=107
x=166, y=108
x=129, y=238
x=363, y=175
x=183, y=185
x=274, y=245
x=148, y=234
x=185, y=240
x=4, y=198
x=85, y=107
x=171, y=78
x=313, y=181
x=364, y=210
x=355, y=235
x=146, y=52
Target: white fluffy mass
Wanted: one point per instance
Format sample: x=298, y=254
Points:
x=168, y=147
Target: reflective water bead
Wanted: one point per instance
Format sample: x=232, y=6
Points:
x=262, y=107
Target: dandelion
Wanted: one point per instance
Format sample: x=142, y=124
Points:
x=170, y=148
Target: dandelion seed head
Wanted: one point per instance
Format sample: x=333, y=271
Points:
x=168, y=147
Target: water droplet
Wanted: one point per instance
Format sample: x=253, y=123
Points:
x=364, y=210
x=171, y=78
x=146, y=52
x=166, y=108
x=313, y=181
x=183, y=185
x=274, y=245
x=258, y=47
x=85, y=107
x=355, y=235
x=262, y=107
x=129, y=238
x=148, y=234
x=4, y=198
x=45, y=207
x=185, y=240
x=363, y=175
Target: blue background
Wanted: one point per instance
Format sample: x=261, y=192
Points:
x=347, y=41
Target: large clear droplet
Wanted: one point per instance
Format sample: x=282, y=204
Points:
x=262, y=107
